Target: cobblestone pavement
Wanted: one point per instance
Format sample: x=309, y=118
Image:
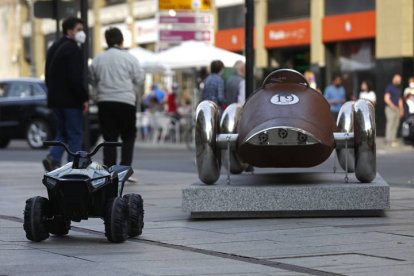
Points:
x=173, y=244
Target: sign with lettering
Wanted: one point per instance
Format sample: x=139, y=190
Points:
x=188, y=5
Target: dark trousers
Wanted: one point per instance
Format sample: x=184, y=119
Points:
x=69, y=123
x=118, y=120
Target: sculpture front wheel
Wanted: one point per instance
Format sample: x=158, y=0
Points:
x=207, y=153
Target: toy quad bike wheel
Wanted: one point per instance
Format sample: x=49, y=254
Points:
x=116, y=220
x=135, y=221
x=36, y=218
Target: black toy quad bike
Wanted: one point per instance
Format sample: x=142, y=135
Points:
x=83, y=189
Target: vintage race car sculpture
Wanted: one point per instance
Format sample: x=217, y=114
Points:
x=285, y=123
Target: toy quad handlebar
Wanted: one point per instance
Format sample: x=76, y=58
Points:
x=90, y=154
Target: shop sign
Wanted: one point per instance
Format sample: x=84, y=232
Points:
x=230, y=39
x=184, y=35
x=186, y=18
x=146, y=31
x=186, y=5
x=175, y=27
x=287, y=34
x=351, y=26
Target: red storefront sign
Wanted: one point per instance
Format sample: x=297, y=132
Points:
x=230, y=39
x=287, y=34
x=349, y=26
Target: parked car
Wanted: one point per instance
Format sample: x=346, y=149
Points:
x=24, y=113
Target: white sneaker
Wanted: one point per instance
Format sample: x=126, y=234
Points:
x=132, y=180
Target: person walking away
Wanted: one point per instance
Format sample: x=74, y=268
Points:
x=115, y=74
x=310, y=77
x=367, y=92
x=67, y=94
x=171, y=103
x=214, y=84
x=394, y=110
x=236, y=85
x=409, y=95
x=159, y=94
x=335, y=95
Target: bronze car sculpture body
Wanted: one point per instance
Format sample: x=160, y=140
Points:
x=285, y=123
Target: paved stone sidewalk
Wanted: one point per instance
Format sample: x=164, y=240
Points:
x=172, y=244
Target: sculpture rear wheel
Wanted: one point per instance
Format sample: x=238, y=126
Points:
x=35, y=218
x=364, y=141
x=228, y=124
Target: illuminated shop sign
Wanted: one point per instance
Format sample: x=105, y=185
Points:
x=349, y=26
x=287, y=34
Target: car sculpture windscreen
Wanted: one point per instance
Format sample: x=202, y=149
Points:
x=285, y=123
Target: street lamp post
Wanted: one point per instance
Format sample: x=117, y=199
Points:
x=85, y=47
x=32, y=39
x=249, y=51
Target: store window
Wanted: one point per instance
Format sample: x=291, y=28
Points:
x=292, y=58
x=355, y=55
x=333, y=7
x=114, y=2
x=231, y=17
x=282, y=10
x=354, y=61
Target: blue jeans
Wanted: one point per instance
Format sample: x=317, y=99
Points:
x=69, y=122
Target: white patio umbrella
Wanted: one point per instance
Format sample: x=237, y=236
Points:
x=196, y=54
x=148, y=60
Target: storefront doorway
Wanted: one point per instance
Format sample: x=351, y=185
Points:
x=291, y=58
x=354, y=61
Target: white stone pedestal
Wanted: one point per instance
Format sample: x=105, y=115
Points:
x=287, y=195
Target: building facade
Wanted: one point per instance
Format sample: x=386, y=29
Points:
x=359, y=39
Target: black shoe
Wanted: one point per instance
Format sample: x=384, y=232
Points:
x=249, y=168
x=49, y=164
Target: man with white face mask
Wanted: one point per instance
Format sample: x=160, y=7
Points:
x=67, y=95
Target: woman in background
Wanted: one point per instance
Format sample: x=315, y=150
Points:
x=367, y=92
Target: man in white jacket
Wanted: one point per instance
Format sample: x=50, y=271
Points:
x=115, y=74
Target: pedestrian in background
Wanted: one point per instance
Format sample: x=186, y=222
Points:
x=214, y=84
x=67, y=94
x=311, y=78
x=367, y=92
x=171, y=103
x=115, y=74
x=409, y=95
x=394, y=110
x=159, y=94
x=335, y=95
x=236, y=85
